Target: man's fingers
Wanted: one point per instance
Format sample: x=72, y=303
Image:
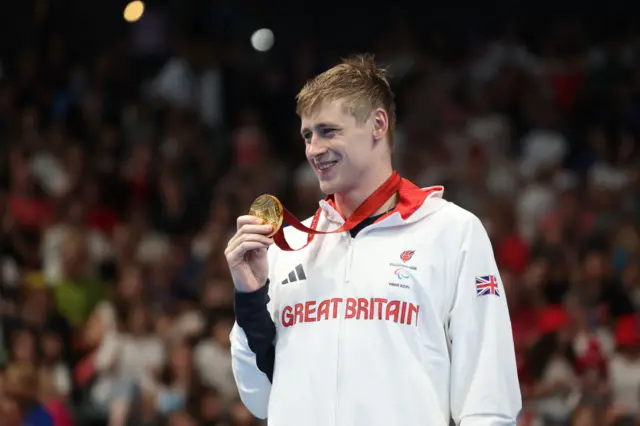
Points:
x=236, y=255
x=250, y=237
x=238, y=243
x=247, y=220
x=251, y=230
x=252, y=234
x=256, y=229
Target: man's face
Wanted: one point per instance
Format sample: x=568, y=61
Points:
x=339, y=149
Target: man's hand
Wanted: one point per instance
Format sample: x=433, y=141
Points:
x=246, y=254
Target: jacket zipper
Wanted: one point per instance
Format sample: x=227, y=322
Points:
x=347, y=274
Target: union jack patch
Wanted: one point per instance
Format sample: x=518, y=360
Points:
x=487, y=284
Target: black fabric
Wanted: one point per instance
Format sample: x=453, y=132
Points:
x=368, y=221
x=255, y=320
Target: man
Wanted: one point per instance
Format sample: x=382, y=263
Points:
x=400, y=321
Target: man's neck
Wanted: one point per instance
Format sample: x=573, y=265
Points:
x=348, y=202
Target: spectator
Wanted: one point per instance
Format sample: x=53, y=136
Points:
x=21, y=384
x=625, y=367
x=210, y=408
x=73, y=219
x=54, y=368
x=10, y=412
x=77, y=292
x=213, y=360
x=54, y=402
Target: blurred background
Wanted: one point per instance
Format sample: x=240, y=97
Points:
x=131, y=136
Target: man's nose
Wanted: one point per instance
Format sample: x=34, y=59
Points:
x=315, y=147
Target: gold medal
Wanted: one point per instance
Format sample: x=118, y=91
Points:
x=270, y=210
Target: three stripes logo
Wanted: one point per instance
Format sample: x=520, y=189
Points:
x=296, y=275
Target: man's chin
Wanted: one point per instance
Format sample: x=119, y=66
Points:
x=328, y=187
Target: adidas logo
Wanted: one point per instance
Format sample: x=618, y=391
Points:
x=295, y=275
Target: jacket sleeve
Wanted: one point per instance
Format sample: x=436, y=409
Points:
x=252, y=348
x=484, y=382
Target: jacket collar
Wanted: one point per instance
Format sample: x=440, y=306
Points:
x=414, y=203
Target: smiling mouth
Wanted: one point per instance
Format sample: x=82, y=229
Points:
x=325, y=167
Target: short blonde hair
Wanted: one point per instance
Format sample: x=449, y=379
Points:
x=360, y=83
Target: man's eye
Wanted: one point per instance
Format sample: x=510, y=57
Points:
x=306, y=136
x=329, y=133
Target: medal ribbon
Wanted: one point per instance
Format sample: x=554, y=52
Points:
x=364, y=210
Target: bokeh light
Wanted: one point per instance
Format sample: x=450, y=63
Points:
x=262, y=40
x=134, y=11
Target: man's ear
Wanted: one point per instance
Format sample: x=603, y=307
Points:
x=380, y=123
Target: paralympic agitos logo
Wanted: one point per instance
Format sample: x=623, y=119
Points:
x=400, y=274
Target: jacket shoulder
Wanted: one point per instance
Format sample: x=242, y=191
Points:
x=453, y=215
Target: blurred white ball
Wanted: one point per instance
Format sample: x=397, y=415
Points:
x=262, y=40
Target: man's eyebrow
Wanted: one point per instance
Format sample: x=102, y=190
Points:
x=325, y=125
x=319, y=126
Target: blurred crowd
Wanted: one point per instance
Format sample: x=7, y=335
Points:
x=121, y=175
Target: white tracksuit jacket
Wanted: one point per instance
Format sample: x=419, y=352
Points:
x=387, y=328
